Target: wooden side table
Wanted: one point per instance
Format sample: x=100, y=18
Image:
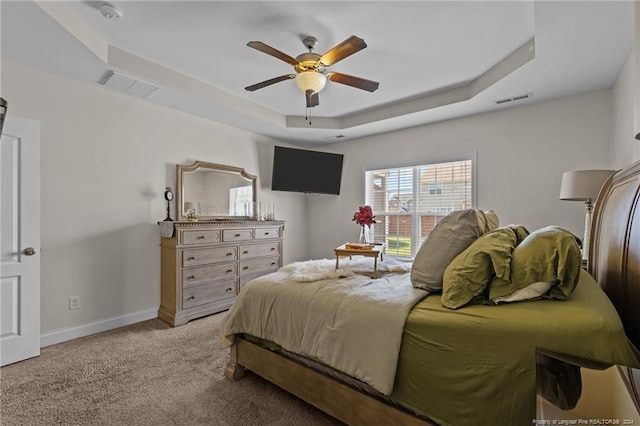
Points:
x=375, y=251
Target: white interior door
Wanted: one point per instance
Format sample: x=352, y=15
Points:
x=19, y=240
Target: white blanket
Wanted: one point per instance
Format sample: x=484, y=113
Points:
x=321, y=269
x=353, y=324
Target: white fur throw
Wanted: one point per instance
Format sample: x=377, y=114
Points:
x=322, y=269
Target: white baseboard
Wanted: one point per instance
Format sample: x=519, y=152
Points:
x=65, y=334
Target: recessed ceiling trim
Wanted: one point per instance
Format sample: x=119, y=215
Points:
x=503, y=68
x=170, y=78
x=167, y=77
x=76, y=26
x=515, y=60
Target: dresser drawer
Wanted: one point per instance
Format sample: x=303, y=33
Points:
x=258, y=250
x=207, y=293
x=237, y=235
x=212, y=255
x=193, y=276
x=200, y=237
x=257, y=265
x=263, y=233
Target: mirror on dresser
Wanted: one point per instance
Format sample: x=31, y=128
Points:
x=215, y=191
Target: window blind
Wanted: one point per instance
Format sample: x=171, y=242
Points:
x=409, y=201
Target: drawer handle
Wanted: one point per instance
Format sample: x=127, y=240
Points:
x=191, y=258
x=266, y=233
x=229, y=271
x=245, y=268
x=245, y=252
x=273, y=263
x=201, y=237
x=230, y=254
x=237, y=235
x=273, y=249
x=191, y=277
x=191, y=297
x=229, y=289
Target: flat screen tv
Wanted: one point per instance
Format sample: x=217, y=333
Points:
x=300, y=170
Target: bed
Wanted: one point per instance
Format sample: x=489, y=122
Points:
x=479, y=364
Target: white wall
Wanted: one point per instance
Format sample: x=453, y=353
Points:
x=625, y=149
x=521, y=155
x=106, y=159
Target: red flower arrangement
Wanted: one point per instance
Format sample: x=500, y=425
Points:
x=364, y=216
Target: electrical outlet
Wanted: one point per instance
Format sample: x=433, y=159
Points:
x=74, y=302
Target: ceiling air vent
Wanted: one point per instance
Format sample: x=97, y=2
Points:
x=515, y=98
x=126, y=84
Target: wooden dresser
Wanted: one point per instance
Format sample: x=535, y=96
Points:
x=204, y=264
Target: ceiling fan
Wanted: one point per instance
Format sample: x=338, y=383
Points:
x=311, y=68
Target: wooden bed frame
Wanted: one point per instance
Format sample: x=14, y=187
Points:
x=614, y=257
x=614, y=261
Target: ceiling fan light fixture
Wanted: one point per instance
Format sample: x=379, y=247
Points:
x=310, y=81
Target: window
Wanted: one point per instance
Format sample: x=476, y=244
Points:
x=239, y=200
x=409, y=201
x=435, y=188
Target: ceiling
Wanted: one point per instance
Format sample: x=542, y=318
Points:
x=435, y=60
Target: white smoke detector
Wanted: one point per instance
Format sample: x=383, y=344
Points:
x=110, y=11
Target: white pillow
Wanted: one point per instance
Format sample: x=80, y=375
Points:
x=532, y=291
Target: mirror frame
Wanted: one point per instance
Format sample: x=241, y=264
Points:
x=202, y=165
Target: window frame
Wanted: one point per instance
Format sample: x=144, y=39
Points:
x=415, y=218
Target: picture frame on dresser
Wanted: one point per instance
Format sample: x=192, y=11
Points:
x=205, y=262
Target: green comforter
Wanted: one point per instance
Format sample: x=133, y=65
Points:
x=477, y=365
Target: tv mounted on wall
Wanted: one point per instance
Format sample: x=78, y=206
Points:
x=300, y=170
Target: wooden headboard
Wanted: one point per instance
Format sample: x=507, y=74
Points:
x=614, y=257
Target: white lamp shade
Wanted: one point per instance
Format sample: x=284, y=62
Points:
x=310, y=80
x=583, y=185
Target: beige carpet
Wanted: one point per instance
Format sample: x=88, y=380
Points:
x=144, y=374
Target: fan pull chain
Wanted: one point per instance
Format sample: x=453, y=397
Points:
x=307, y=115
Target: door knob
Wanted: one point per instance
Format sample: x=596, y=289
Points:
x=29, y=251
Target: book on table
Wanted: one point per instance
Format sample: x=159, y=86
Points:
x=359, y=246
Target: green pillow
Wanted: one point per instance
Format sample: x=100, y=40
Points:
x=469, y=274
x=454, y=233
x=548, y=254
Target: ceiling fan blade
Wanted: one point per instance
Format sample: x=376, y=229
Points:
x=312, y=99
x=357, y=82
x=265, y=48
x=347, y=48
x=269, y=82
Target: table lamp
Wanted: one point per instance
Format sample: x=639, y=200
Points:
x=584, y=185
